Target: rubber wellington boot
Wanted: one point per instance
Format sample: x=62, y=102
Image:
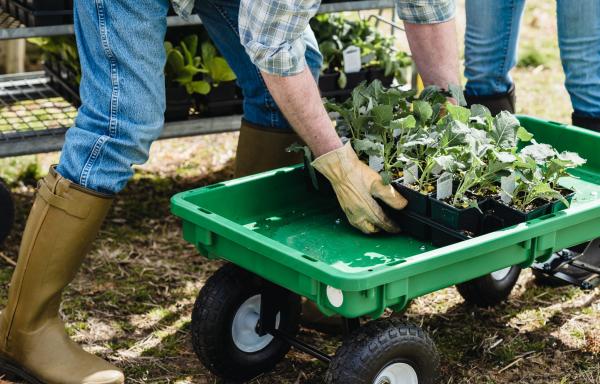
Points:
x=261, y=149
x=63, y=222
x=495, y=103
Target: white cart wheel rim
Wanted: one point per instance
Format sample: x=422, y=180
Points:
x=243, y=328
x=397, y=373
x=501, y=273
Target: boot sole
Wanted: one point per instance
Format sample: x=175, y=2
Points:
x=14, y=370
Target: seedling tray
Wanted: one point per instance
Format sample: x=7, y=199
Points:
x=276, y=226
x=61, y=81
x=40, y=13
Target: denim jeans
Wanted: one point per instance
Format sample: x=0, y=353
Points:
x=122, y=88
x=491, y=48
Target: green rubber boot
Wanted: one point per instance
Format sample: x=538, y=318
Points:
x=63, y=222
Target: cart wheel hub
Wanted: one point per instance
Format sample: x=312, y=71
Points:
x=243, y=328
x=501, y=274
x=397, y=373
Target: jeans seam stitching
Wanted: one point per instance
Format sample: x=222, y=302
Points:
x=506, y=43
x=114, y=99
x=114, y=74
x=94, y=154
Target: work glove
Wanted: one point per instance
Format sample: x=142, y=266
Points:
x=355, y=185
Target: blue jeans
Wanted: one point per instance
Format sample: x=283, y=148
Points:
x=491, y=48
x=122, y=88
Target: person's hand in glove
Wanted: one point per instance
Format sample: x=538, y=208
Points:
x=356, y=185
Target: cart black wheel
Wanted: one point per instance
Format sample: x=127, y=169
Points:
x=7, y=211
x=492, y=289
x=385, y=351
x=224, y=322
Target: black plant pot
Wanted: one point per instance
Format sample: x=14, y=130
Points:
x=379, y=74
x=47, y=5
x=459, y=219
x=179, y=103
x=328, y=82
x=354, y=79
x=418, y=203
x=34, y=17
x=558, y=205
x=510, y=216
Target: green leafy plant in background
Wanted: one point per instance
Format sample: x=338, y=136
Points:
x=335, y=33
x=63, y=48
x=190, y=59
x=394, y=131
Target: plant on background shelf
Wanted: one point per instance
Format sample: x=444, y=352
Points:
x=336, y=33
x=185, y=62
x=62, y=49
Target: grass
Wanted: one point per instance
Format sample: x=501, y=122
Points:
x=132, y=301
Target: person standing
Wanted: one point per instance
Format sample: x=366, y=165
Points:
x=491, y=40
x=272, y=50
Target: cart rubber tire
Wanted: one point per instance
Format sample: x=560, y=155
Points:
x=222, y=297
x=489, y=291
x=370, y=351
x=7, y=211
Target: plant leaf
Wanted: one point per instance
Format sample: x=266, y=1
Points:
x=504, y=130
x=572, y=159
x=382, y=114
x=220, y=71
x=201, y=87
x=422, y=110
x=342, y=80
x=458, y=113
x=368, y=147
x=457, y=94
x=539, y=152
x=524, y=135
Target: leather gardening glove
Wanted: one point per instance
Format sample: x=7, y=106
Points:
x=355, y=185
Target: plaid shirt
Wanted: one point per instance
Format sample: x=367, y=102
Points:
x=271, y=31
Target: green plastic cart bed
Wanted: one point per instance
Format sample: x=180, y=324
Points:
x=286, y=241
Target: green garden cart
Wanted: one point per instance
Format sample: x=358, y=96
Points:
x=285, y=241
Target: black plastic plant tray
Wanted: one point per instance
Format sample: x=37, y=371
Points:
x=510, y=216
x=558, y=205
x=440, y=234
x=47, y=5
x=63, y=88
x=222, y=108
x=379, y=74
x=40, y=18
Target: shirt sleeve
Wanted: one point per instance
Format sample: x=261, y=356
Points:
x=272, y=33
x=426, y=11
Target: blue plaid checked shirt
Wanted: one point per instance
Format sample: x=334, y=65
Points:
x=271, y=31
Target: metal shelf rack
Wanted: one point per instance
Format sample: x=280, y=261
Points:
x=34, y=118
x=12, y=29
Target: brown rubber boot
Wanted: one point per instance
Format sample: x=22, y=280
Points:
x=496, y=103
x=63, y=222
x=261, y=149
